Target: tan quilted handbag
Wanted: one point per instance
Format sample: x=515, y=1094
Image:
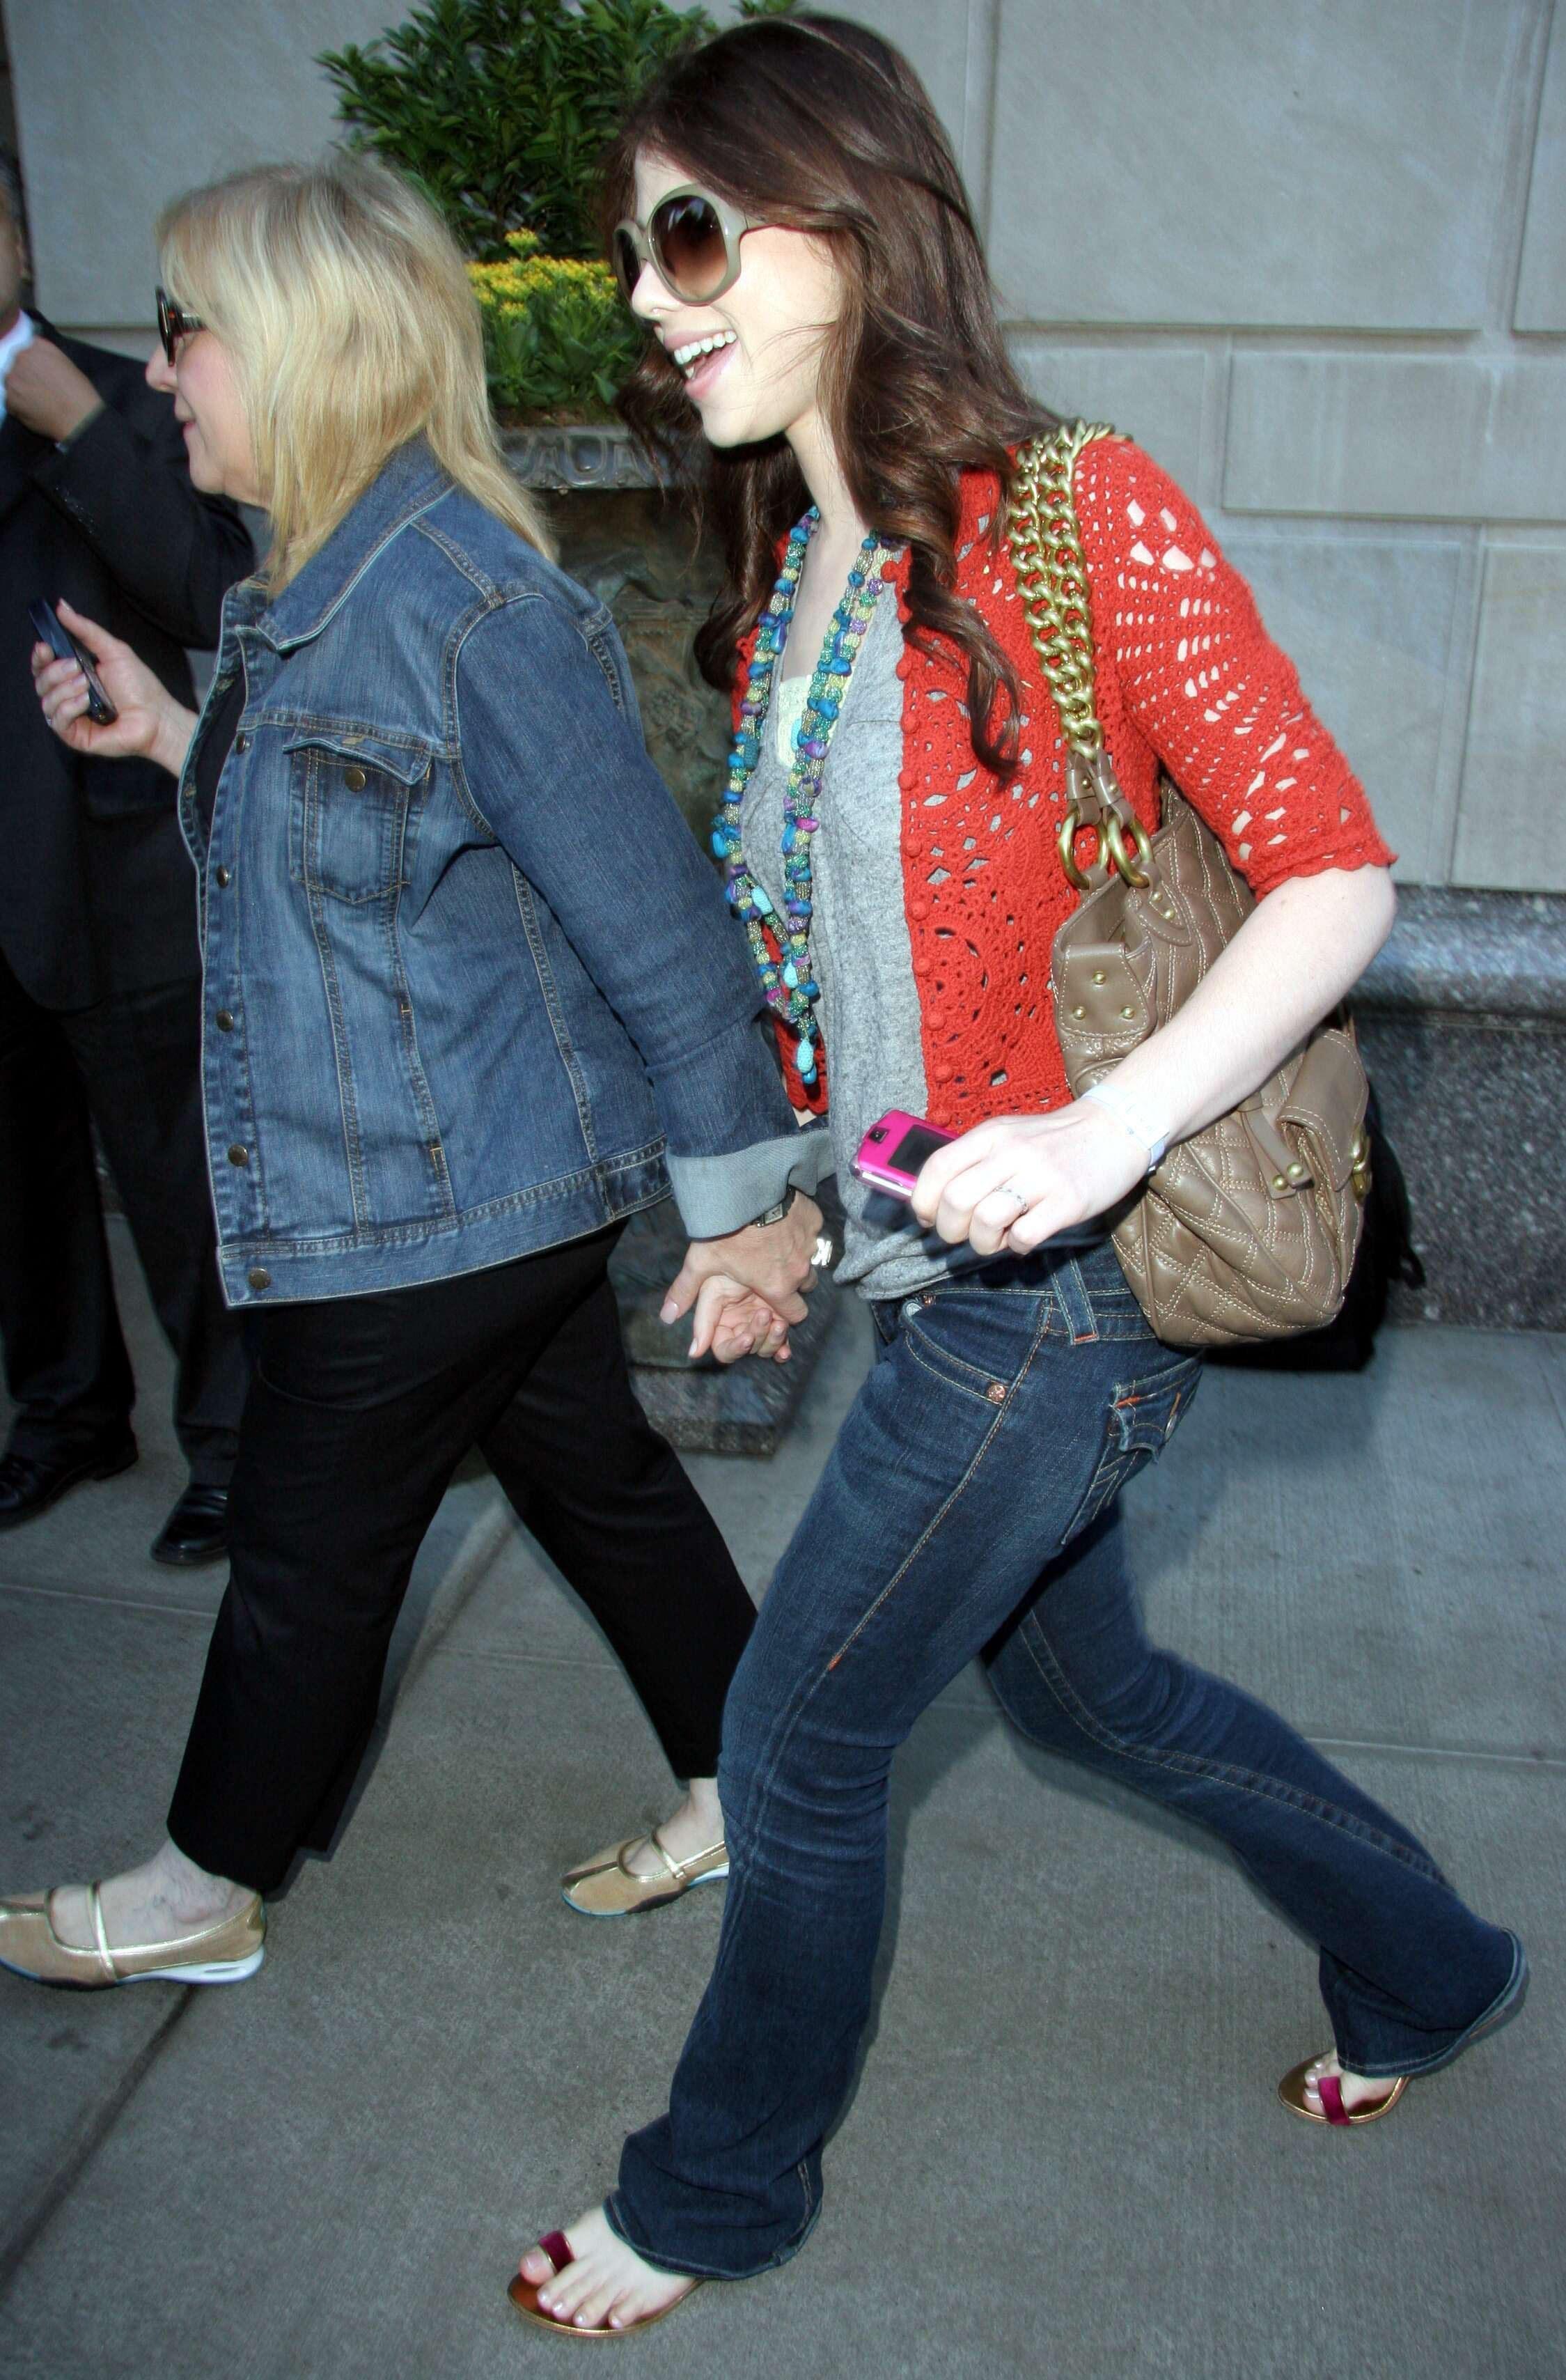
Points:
x=1248, y=1229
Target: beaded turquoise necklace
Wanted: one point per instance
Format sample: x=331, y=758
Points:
x=787, y=979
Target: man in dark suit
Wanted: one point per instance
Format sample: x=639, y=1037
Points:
x=100, y=975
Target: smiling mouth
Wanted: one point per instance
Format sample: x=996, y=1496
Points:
x=694, y=353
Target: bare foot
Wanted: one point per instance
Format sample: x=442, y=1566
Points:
x=605, y=2284
x=167, y=1896
x=694, y=1827
x=1358, y=2090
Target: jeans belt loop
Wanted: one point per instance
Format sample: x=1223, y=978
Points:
x=1074, y=1303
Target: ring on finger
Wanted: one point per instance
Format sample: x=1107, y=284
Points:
x=1010, y=1190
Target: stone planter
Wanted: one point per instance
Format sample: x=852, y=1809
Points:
x=639, y=549
x=1462, y=1021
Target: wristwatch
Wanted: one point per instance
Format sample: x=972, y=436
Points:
x=775, y=1214
x=825, y=1253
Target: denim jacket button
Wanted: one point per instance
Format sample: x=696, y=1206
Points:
x=224, y=1020
x=241, y=743
x=239, y=1154
x=223, y=878
x=996, y=1392
x=258, y=1277
x=354, y=779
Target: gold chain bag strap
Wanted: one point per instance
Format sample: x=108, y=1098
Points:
x=1248, y=1229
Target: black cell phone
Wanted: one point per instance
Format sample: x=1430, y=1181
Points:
x=51, y=631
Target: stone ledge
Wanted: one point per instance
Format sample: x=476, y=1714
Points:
x=1462, y=1021
x=596, y=455
x=1470, y=953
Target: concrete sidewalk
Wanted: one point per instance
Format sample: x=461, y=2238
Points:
x=1065, y=2155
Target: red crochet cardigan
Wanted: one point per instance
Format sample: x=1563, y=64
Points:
x=1186, y=676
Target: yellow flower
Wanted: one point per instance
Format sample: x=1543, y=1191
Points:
x=520, y=277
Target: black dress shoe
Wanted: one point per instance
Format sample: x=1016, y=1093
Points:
x=196, y=1531
x=31, y=1483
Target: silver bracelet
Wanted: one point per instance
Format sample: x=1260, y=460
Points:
x=1131, y=1116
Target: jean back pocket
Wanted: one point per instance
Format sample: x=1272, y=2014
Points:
x=1141, y=1418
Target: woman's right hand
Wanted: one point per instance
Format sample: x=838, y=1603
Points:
x=151, y=725
x=730, y=1321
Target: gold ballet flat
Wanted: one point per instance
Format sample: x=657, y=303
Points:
x=224, y=1953
x=604, y=1886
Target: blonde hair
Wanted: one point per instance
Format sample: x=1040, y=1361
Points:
x=346, y=309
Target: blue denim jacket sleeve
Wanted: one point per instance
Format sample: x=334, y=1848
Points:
x=552, y=761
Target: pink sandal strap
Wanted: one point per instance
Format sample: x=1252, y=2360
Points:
x=558, y=2248
x=1330, y=2093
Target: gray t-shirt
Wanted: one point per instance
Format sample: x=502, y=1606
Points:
x=859, y=943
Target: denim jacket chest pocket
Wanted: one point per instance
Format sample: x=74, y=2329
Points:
x=354, y=801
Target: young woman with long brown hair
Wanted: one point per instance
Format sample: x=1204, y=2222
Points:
x=797, y=238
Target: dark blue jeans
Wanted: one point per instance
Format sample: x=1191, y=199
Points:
x=969, y=1502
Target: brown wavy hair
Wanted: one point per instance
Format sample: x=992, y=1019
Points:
x=818, y=124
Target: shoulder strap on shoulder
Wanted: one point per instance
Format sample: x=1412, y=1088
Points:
x=1046, y=545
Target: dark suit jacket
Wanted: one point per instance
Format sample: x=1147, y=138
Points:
x=97, y=894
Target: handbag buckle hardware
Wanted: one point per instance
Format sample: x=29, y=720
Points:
x=1359, y=1167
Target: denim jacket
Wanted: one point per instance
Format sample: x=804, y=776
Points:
x=470, y=988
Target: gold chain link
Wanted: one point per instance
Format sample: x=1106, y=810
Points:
x=1052, y=571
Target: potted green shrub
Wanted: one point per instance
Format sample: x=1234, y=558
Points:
x=499, y=109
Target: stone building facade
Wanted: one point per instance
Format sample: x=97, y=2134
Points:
x=1312, y=255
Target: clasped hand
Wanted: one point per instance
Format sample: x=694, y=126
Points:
x=1006, y=1187
x=748, y=1289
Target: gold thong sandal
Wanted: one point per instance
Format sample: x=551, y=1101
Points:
x=605, y=1886
x=524, y=2296
x=1291, y=2091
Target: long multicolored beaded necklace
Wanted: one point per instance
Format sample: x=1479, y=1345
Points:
x=781, y=946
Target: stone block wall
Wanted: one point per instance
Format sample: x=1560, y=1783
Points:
x=1314, y=257
x=1311, y=253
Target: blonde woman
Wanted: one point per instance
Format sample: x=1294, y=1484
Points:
x=470, y=1002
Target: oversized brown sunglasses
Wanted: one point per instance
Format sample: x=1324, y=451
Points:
x=175, y=323
x=691, y=240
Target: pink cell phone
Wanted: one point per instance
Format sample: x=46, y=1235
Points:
x=892, y=1151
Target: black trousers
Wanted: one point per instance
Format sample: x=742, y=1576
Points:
x=133, y=1065
x=359, y=1411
